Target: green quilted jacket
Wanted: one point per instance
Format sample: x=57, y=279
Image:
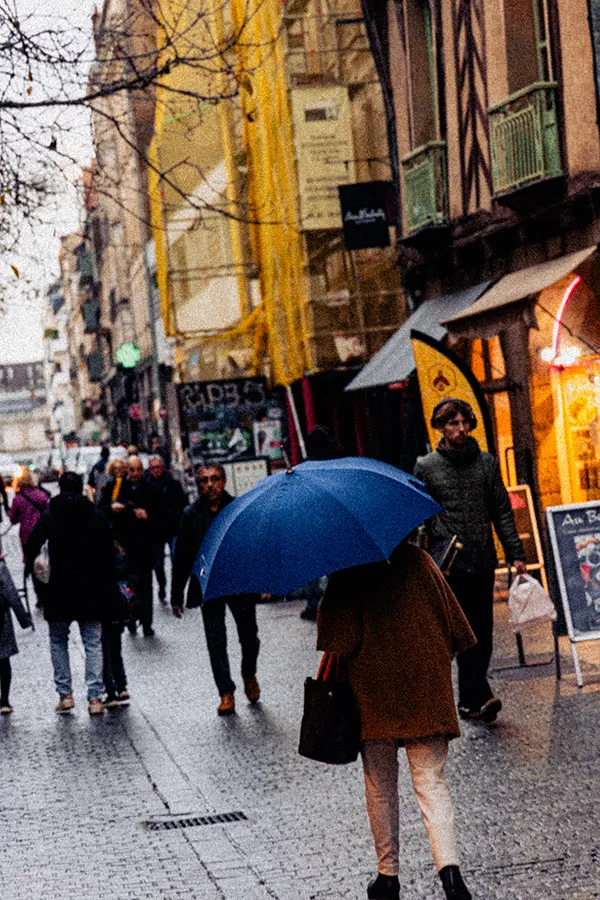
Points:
x=469, y=487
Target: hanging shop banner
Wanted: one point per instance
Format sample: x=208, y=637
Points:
x=574, y=532
x=231, y=419
x=367, y=212
x=441, y=373
x=324, y=153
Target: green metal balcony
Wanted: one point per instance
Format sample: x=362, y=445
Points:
x=524, y=138
x=425, y=187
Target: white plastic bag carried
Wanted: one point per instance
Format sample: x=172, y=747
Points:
x=41, y=565
x=528, y=603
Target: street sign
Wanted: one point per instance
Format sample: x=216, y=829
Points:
x=128, y=355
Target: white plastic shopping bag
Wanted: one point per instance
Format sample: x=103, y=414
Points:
x=528, y=603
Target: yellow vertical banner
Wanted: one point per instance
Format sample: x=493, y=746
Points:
x=442, y=373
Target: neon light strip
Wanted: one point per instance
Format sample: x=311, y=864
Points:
x=561, y=311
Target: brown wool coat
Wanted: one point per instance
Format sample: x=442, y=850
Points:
x=399, y=624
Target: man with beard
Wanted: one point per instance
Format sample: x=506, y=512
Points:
x=467, y=483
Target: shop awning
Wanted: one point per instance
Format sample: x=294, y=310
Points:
x=395, y=361
x=490, y=307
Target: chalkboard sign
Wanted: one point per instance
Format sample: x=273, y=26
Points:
x=575, y=537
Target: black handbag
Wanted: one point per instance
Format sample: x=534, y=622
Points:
x=330, y=730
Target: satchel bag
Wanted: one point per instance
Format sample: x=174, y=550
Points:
x=528, y=603
x=330, y=730
x=41, y=565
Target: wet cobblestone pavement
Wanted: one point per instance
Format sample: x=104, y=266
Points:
x=77, y=791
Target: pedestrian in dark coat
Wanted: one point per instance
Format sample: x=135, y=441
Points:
x=172, y=502
x=10, y=602
x=398, y=625
x=468, y=484
x=135, y=517
x=82, y=578
x=195, y=522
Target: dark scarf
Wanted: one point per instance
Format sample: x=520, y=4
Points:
x=460, y=458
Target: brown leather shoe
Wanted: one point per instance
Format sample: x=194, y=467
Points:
x=252, y=689
x=227, y=705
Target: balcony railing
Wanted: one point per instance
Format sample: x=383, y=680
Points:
x=524, y=138
x=425, y=191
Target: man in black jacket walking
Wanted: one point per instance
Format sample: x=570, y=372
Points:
x=82, y=579
x=135, y=520
x=173, y=502
x=467, y=483
x=195, y=523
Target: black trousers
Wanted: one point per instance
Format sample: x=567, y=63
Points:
x=113, y=670
x=475, y=593
x=5, y=679
x=141, y=572
x=243, y=609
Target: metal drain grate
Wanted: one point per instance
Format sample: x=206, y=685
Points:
x=193, y=821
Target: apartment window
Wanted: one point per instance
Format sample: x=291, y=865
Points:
x=527, y=47
x=422, y=76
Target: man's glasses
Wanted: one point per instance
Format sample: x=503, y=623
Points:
x=209, y=479
x=456, y=422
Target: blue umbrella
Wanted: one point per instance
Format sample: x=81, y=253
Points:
x=314, y=519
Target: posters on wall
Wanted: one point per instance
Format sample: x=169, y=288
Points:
x=231, y=420
x=324, y=153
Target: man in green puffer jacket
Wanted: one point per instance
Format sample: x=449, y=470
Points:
x=467, y=483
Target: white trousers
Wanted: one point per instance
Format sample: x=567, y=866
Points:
x=426, y=760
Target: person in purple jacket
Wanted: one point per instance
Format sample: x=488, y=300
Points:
x=28, y=505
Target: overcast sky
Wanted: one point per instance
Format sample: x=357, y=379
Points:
x=37, y=259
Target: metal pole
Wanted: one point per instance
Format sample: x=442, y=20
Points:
x=299, y=434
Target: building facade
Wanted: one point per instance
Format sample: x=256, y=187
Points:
x=23, y=411
x=494, y=119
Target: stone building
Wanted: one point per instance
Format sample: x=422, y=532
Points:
x=494, y=121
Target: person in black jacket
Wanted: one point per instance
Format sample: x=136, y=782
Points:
x=173, y=502
x=82, y=579
x=468, y=484
x=195, y=522
x=135, y=519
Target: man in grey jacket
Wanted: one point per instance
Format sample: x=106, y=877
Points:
x=467, y=483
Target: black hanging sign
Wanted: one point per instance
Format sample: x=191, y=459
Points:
x=367, y=213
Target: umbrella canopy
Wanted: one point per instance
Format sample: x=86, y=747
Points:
x=314, y=519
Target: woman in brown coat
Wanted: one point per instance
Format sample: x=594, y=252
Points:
x=398, y=624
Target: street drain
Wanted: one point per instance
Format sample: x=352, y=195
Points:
x=192, y=821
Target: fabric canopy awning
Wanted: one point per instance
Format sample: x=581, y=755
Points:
x=516, y=286
x=395, y=361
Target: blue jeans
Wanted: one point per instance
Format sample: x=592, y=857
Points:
x=91, y=633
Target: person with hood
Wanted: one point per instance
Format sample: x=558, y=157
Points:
x=397, y=625
x=468, y=484
x=82, y=578
x=29, y=503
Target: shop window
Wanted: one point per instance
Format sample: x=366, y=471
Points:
x=527, y=48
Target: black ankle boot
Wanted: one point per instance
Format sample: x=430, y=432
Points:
x=384, y=887
x=454, y=886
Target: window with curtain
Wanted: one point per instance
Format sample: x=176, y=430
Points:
x=527, y=47
x=422, y=71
